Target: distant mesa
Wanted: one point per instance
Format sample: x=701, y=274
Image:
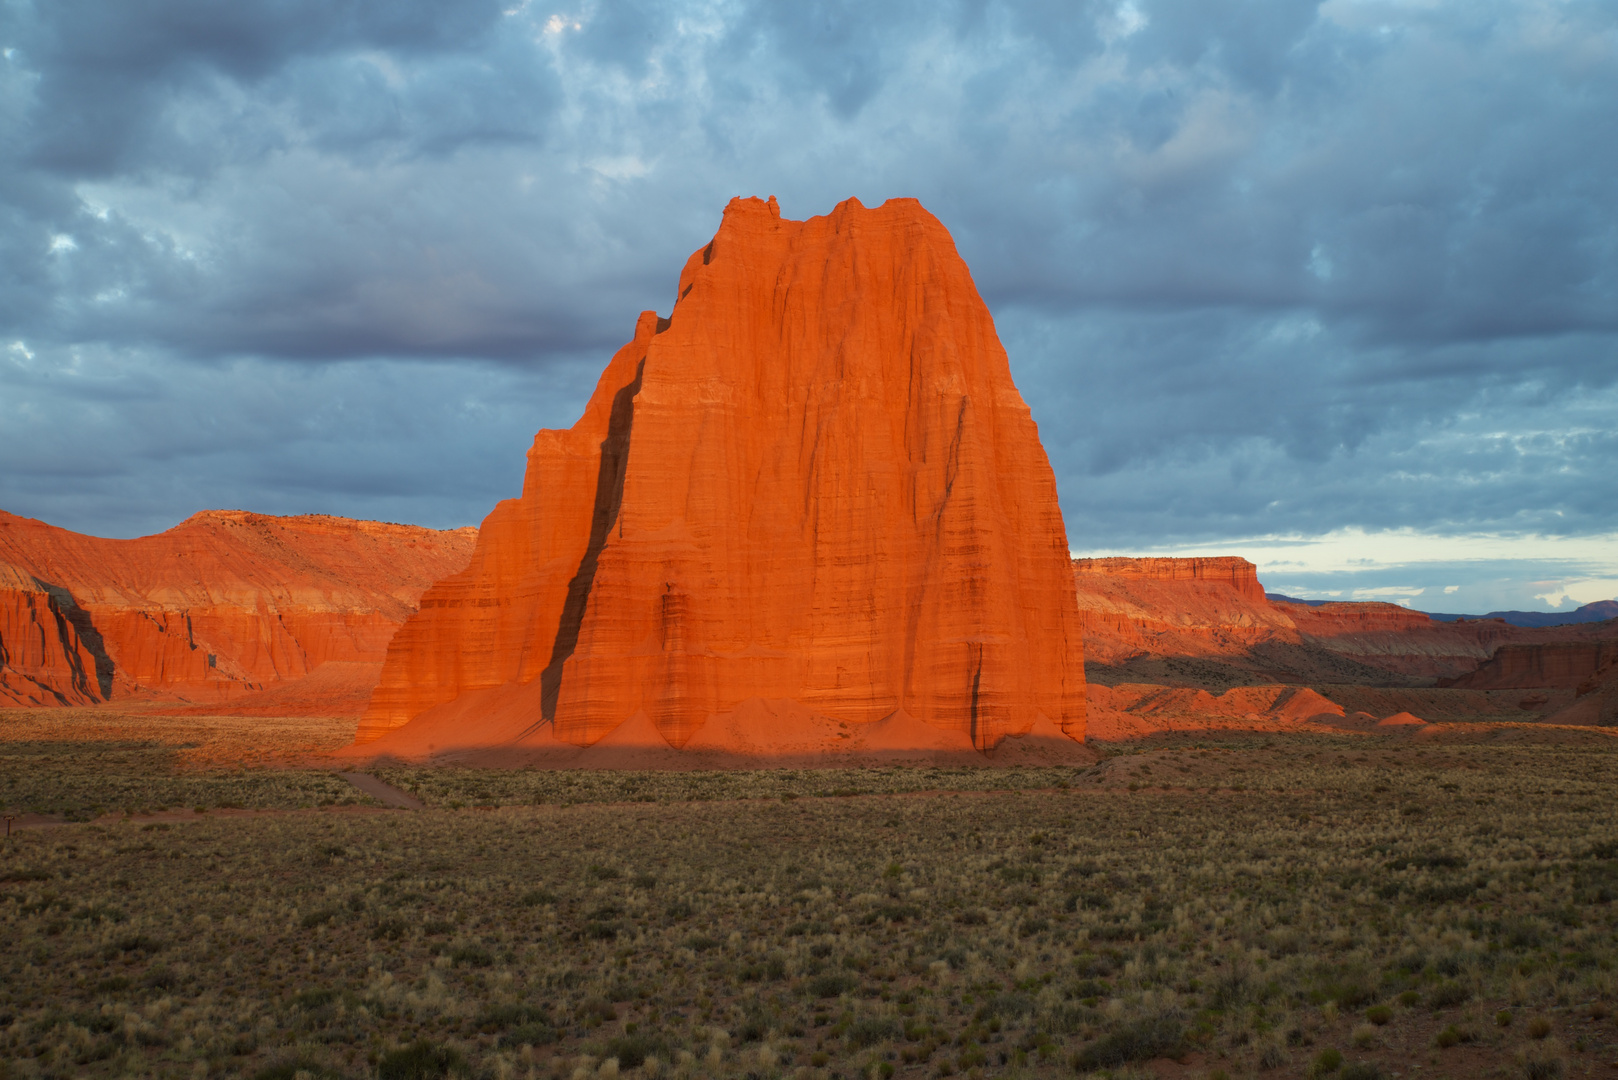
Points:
x=224, y=610
x=1190, y=607
x=1158, y=630
x=807, y=508
x=1216, y=607
x=1599, y=611
x=1282, y=598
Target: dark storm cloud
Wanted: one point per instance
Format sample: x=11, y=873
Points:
x=1262, y=266
x=107, y=73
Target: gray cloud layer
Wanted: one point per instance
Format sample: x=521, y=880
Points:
x=1261, y=266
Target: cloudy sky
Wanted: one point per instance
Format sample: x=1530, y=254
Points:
x=1333, y=285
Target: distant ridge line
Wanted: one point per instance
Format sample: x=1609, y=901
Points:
x=1599, y=611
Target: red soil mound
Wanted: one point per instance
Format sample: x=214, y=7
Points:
x=814, y=483
x=1402, y=719
x=1131, y=710
x=222, y=605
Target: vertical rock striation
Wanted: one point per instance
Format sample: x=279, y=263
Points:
x=42, y=660
x=1569, y=664
x=814, y=482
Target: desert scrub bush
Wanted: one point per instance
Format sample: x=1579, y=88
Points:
x=1137, y=1040
x=1447, y=995
x=869, y=1030
x=421, y=1060
x=631, y=1051
x=832, y=984
x=1541, y=1061
x=1327, y=1062
x=1362, y=1070
x=472, y=954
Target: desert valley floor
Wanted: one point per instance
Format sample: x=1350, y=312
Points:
x=1216, y=903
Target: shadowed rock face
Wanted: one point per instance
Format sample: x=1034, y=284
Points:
x=42, y=660
x=223, y=604
x=1571, y=664
x=814, y=482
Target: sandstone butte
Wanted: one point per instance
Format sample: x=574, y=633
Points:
x=1205, y=606
x=222, y=605
x=812, y=494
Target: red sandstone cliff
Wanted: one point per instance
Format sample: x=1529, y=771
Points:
x=1568, y=664
x=42, y=660
x=1596, y=697
x=222, y=604
x=1180, y=607
x=814, y=482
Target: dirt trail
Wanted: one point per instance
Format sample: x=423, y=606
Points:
x=385, y=793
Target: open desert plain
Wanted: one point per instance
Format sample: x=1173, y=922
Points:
x=772, y=732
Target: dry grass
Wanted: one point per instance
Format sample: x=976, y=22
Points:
x=1247, y=909
x=201, y=740
x=78, y=764
x=456, y=788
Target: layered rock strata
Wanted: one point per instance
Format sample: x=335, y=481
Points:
x=814, y=483
x=221, y=605
x=1216, y=607
x=1183, y=607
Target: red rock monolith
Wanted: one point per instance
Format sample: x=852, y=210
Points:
x=813, y=483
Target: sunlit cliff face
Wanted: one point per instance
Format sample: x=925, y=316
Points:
x=814, y=481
